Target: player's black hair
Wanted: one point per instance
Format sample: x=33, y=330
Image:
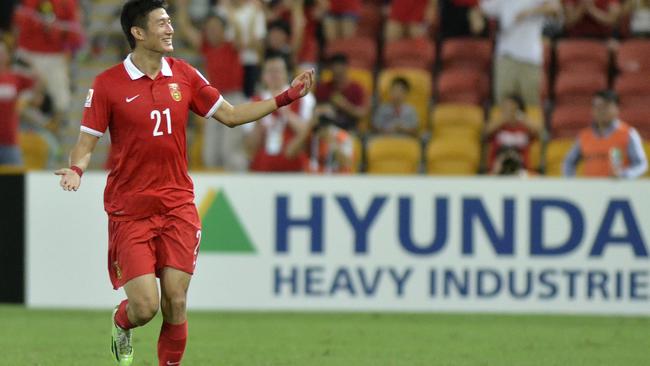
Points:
x=518, y=100
x=338, y=58
x=135, y=13
x=401, y=82
x=608, y=95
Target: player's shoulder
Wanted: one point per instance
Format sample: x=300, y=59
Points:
x=179, y=64
x=112, y=74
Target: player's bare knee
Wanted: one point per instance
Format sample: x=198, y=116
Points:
x=144, y=309
x=177, y=304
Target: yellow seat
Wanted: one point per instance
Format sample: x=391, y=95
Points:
x=420, y=94
x=451, y=156
x=556, y=151
x=365, y=79
x=535, y=115
x=535, y=155
x=457, y=119
x=357, y=146
x=646, y=148
x=393, y=155
x=34, y=149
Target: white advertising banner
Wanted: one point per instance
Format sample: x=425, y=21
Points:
x=294, y=242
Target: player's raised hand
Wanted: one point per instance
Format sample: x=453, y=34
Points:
x=70, y=180
x=306, y=78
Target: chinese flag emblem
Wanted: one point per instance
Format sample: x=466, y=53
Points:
x=175, y=92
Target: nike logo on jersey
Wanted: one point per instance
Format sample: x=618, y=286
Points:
x=129, y=100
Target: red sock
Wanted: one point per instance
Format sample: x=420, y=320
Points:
x=171, y=343
x=121, y=317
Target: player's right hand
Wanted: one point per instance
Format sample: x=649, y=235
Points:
x=70, y=180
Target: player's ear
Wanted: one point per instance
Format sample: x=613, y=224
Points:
x=137, y=33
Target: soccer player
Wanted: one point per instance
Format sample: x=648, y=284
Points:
x=154, y=229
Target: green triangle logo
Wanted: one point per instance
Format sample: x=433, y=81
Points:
x=222, y=231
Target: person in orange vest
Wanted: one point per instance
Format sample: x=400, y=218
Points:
x=609, y=147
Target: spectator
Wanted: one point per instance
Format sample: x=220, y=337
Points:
x=6, y=12
x=508, y=161
x=278, y=39
x=330, y=148
x=247, y=19
x=591, y=18
x=397, y=117
x=302, y=15
x=345, y=96
x=461, y=18
x=48, y=32
x=410, y=18
x=11, y=85
x=512, y=132
x=638, y=12
x=272, y=141
x=519, y=50
x=223, y=146
x=341, y=19
x=610, y=147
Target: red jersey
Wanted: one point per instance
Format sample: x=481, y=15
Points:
x=11, y=84
x=588, y=26
x=222, y=64
x=345, y=7
x=352, y=91
x=408, y=11
x=270, y=157
x=511, y=135
x=50, y=26
x=147, y=121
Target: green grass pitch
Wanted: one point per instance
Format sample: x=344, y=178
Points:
x=66, y=338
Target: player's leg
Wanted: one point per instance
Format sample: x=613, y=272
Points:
x=173, y=333
x=175, y=263
x=131, y=264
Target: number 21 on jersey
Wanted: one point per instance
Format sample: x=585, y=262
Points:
x=157, y=116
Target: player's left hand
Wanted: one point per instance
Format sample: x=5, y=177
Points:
x=306, y=78
x=70, y=180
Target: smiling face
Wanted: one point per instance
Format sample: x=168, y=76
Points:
x=157, y=36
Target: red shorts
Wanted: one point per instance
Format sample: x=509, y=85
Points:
x=408, y=11
x=139, y=247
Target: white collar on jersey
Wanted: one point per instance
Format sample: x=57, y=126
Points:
x=135, y=73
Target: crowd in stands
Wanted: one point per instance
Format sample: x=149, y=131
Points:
x=448, y=87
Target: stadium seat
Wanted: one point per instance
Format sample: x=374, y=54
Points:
x=457, y=119
x=357, y=145
x=370, y=21
x=633, y=56
x=568, y=120
x=465, y=86
x=646, y=148
x=582, y=55
x=467, y=53
x=361, y=51
x=393, y=155
x=415, y=53
x=451, y=156
x=34, y=149
x=421, y=89
x=556, y=151
x=367, y=82
x=578, y=88
x=633, y=89
x=638, y=116
x=535, y=115
x=535, y=155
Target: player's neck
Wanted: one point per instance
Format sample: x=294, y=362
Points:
x=150, y=63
